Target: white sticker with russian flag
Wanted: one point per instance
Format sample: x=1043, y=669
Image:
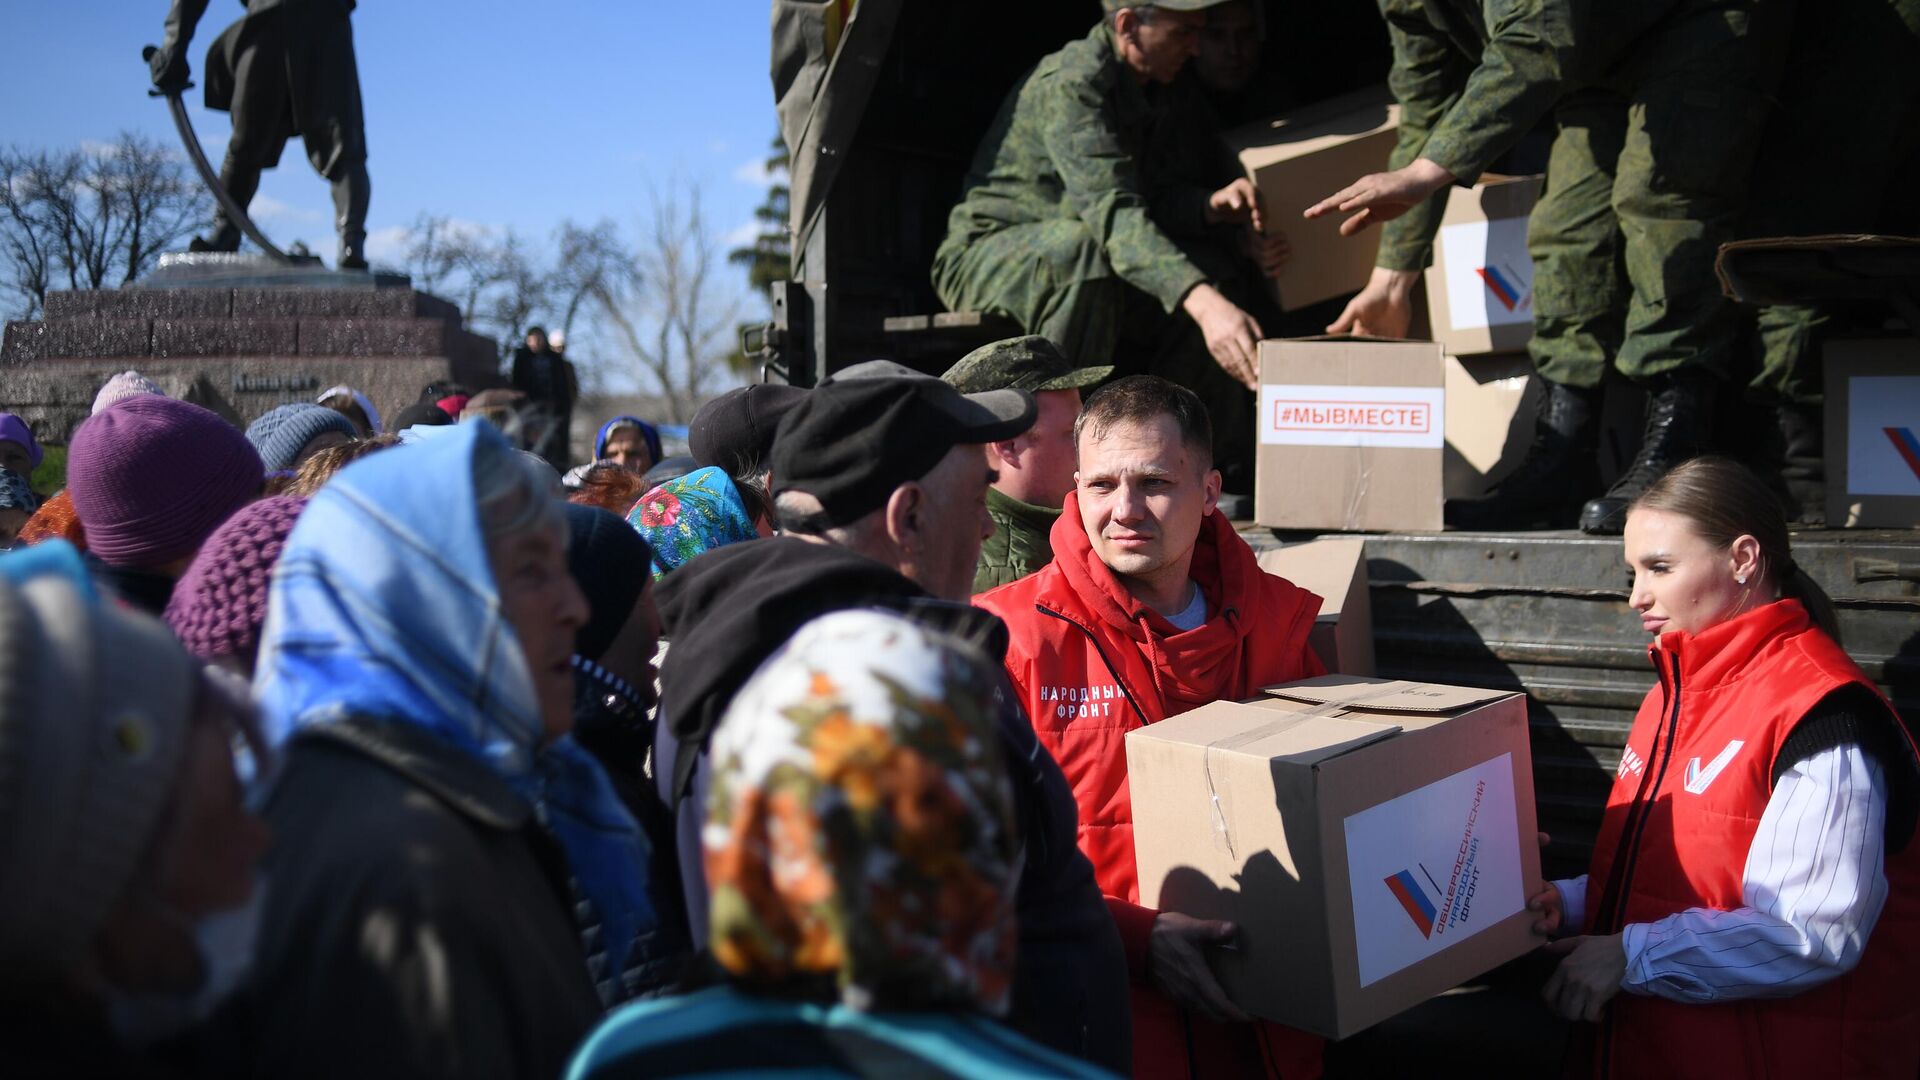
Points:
x=1489, y=274
x=1883, y=435
x=1399, y=417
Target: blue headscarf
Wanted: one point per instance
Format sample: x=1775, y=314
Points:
x=647, y=431
x=384, y=607
x=691, y=515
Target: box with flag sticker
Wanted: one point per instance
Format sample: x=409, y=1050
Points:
x=1873, y=433
x=1374, y=840
x=1480, y=285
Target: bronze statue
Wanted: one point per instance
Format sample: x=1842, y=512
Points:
x=285, y=68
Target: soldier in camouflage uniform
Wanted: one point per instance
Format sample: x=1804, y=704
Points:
x=1660, y=109
x=1096, y=202
x=1035, y=469
x=1851, y=95
x=285, y=68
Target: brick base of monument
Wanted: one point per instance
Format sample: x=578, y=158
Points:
x=237, y=351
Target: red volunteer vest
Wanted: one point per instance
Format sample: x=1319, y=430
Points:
x=1694, y=779
x=1090, y=664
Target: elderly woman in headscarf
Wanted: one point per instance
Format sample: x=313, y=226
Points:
x=693, y=514
x=17, y=506
x=629, y=442
x=435, y=825
x=860, y=851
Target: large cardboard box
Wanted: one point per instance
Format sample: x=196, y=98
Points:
x=1374, y=841
x=1491, y=405
x=1480, y=286
x=1873, y=433
x=1305, y=156
x=1334, y=568
x=1352, y=434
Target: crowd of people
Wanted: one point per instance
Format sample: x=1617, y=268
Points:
x=326, y=751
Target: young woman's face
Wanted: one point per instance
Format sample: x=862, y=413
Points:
x=545, y=607
x=1680, y=581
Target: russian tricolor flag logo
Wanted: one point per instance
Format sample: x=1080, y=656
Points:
x=1906, y=446
x=1406, y=888
x=1501, y=286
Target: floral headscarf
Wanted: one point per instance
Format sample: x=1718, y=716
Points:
x=16, y=493
x=697, y=512
x=859, y=827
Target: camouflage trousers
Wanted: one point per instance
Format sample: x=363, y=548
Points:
x=1054, y=280
x=1851, y=103
x=1649, y=175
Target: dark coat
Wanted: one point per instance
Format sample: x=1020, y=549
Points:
x=417, y=921
x=727, y=610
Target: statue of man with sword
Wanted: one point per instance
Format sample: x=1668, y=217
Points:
x=285, y=68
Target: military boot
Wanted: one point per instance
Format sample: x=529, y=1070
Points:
x=1679, y=419
x=224, y=237
x=1791, y=458
x=351, y=194
x=1544, y=490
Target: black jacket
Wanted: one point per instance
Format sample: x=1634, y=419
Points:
x=417, y=921
x=729, y=609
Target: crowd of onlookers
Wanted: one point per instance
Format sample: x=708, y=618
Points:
x=335, y=748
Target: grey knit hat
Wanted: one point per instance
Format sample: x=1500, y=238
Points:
x=283, y=432
x=95, y=701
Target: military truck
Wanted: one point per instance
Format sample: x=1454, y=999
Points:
x=882, y=104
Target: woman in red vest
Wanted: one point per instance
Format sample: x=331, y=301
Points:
x=1752, y=890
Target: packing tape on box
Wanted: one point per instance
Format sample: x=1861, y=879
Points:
x=1219, y=809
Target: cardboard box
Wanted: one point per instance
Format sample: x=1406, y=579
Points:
x=1480, y=286
x=1305, y=156
x=1335, y=568
x=1352, y=434
x=1873, y=433
x=1374, y=841
x=1491, y=405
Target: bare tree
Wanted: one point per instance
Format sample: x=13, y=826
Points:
x=594, y=269
x=92, y=219
x=680, y=327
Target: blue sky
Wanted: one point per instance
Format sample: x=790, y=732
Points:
x=490, y=112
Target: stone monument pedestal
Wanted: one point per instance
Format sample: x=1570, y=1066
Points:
x=239, y=338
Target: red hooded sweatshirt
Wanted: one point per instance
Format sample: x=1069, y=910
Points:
x=1091, y=663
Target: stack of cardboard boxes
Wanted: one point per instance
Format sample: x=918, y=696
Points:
x=1373, y=435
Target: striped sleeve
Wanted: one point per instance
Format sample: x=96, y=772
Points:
x=1815, y=882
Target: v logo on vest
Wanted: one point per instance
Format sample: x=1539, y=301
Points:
x=1698, y=779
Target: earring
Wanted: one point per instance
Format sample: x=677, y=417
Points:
x=1741, y=578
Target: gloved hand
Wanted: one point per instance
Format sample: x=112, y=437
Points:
x=169, y=68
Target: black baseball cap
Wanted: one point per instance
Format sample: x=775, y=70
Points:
x=736, y=429
x=852, y=441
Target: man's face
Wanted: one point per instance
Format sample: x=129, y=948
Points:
x=1229, y=47
x=954, y=522
x=15, y=459
x=1038, y=466
x=1164, y=43
x=627, y=448
x=537, y=341
x=1143, y=494
x=545, y=608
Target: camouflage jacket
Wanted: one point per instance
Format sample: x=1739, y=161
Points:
x=1021, y=542
x=1080, y=138
x=1472, y=76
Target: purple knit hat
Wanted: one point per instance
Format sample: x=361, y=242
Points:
x=151, y=477
x=221, y=601
x=14, y=429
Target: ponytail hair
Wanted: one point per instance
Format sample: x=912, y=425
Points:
x=1725, y=501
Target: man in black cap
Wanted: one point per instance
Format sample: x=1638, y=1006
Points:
x=880, y=485
x=1036, y=466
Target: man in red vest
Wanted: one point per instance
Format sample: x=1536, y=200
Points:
x=1152, y=606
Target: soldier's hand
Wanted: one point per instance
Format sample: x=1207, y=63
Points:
x=1238, y=203
x=169, y=68
x=1379, y=197
x=1383, y=309
x=1233, y=338
x=1270, y=252
x=1177, y=962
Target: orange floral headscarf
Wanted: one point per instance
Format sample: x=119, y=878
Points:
x=859, y=826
